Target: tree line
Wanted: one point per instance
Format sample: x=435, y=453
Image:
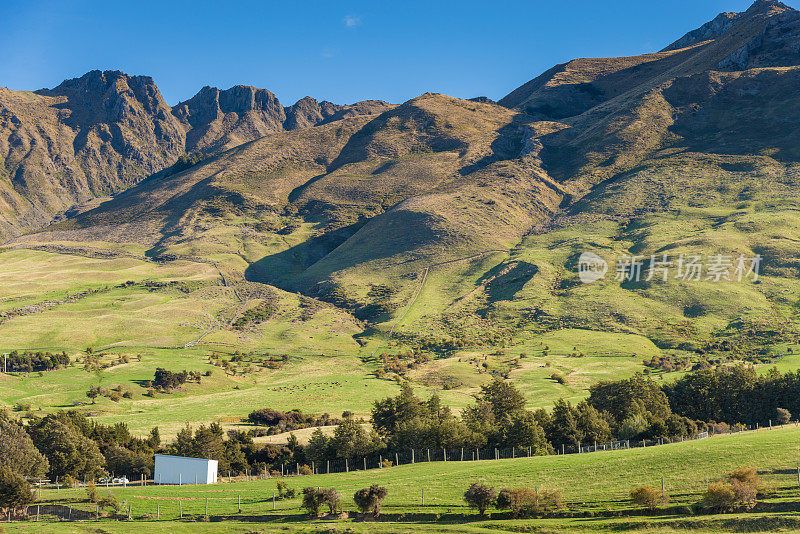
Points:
x=71, y=447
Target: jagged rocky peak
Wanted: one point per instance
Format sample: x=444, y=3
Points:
x=307, y=112
x=770, y=31
x=210, y=103
x=109, y=96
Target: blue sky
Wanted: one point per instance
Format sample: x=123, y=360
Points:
x=338, y=51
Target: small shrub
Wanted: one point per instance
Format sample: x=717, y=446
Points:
x=91, y=492
x=527, y=502
x=783, y=416
x=108, y=501
x=312, y=500
x=558, y=377
x=739, y=490
x=284, y=491
x=305, y=470
x=648, y=497
x=387, y=463
x=370, y=499
x=479, y=496
x=331, y=499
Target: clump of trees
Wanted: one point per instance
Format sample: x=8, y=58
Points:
x=31, y=362
x=735, y=394
x=256, y=315
x=15, y=492
x=166, y=380
x=279, y=421
x=350, y=439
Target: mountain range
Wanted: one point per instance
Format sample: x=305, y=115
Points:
x=690, y=149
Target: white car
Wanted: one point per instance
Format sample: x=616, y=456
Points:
x=120, y=480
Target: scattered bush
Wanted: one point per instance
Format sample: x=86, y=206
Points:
x=305, y=470
x=738, y=490
x=370, y=499
x=331, y=499
x=783, y=416
x=284, y=491
x=526, y=502
x=312, y=500
x=91, y=492
x=558, y=377
x=648, y=497
x=479, y=496
x=108, y=501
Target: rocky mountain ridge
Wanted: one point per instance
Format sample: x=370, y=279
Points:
x=99, y=134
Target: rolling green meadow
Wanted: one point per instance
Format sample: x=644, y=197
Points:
x=595, y=489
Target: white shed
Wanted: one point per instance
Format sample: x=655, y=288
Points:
x=183, y=470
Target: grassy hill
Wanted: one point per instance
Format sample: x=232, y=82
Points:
x=595, y=488
x=441, y=233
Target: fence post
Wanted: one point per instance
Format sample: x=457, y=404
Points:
x=239, y=503
x=429, y=455
x=423, y=496
x=346, y=466
x=129, y=511
x=158, y=511
x=397, y=459
x=412, y=456
x=273, y=499
x=328, y=470
x=206, y=506
x=180, y=508
x=380, y=461
x=562, y=449
x=365, y=463
x=37, y=512
x=180, y=479
x=313, y=469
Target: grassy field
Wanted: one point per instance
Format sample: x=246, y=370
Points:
x=68, y=302
x=597, y=483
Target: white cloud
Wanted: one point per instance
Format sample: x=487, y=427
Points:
x=352, y=21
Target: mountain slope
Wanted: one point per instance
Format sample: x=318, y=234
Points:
x=453, y=222
x=99, y=134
